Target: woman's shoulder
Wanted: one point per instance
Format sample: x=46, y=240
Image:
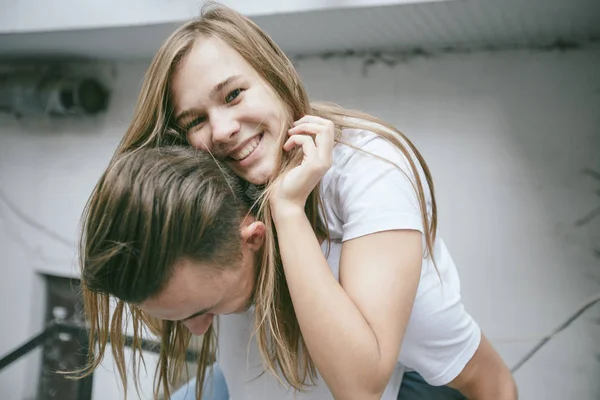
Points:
x=360, y=152
x=370, y=139
x=371, y=152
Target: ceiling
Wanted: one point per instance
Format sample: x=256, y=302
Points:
x=461, y=23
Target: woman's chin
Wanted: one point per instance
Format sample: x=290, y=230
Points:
x=257, y=178
x=259, y=174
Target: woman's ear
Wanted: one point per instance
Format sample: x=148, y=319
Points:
x=253, y=233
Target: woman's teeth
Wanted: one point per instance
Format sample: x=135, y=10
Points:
x=247, y=149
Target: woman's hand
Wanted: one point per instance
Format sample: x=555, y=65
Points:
x=315, y=136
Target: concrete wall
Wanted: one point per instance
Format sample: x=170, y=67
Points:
x=507, y=136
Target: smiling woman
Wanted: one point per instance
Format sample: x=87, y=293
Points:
x=352, y=291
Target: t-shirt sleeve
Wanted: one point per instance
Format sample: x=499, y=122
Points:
x=377, y=195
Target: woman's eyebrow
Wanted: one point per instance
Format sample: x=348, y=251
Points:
x=214, y=92
x=219, y=86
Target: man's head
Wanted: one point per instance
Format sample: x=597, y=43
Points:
x=171, y=234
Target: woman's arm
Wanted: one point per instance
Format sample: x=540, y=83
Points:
x=352, y=330
x=353, y=333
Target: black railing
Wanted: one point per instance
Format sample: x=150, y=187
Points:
x=54, y=328
x=83, y=390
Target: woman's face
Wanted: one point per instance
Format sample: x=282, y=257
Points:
x=225, y=107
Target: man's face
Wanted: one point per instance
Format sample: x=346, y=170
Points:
x=197, y=292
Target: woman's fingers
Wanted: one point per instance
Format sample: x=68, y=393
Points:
x=306, y=128
x=323, y=131
x=315, y=136
x=310, y=119
x=306, y=142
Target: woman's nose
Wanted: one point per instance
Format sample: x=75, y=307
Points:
x=224, y=127
x=200, y=324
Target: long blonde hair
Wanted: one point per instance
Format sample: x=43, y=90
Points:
x=278, y=333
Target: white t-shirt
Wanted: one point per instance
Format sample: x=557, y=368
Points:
x=363, y=194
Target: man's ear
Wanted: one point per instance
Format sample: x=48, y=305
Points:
x=253, y=233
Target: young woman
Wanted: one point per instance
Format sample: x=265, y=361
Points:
x=355, y=287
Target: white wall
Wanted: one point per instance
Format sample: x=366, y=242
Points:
x=506, y=135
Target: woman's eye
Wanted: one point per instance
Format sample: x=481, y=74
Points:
x=232, y=95
x=193, y=123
